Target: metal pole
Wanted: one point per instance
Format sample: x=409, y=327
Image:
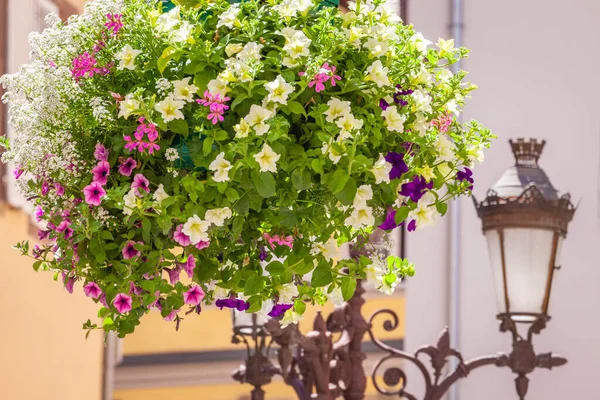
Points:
x=456, y=28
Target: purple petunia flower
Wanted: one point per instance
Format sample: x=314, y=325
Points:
x=94, y=192
x=466, y=175
x=127, y=166
x=140, y=182
x=122, y=303
x=201, y=245
x=399, y=167
x=180, y=237
x=383, y=104
x=171, y=316
x=129, y=251
x=69, y=282
x=412, y=226
x=279, y=309
x=390, y=220
x=193, y=296
x=101, y=172
x=92, y=290
x=174, y=274
x=238, y=304
x=60, y=189
x=262, y=256
x=101, y=152
x=416, y=188
x=190, y=265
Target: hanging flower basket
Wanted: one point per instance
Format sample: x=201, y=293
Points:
x=216, y=153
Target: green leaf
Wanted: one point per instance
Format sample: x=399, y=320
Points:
x=179, y=126
x=401, y=215
x=338, y=181
x=348, y=287
x=317, y=165
x=167, y=55
x=238, y=224
x=238, y=100
x=348, y=192
x=254, y=284
x=275, y=268
x=97, y=250
x=301, y=179
x=232, y=194
x=299, y=306
x=264, y=183
x=322, y=275
x=442, y=208
x=106, y=235
x=207, y=145
x=146, y=227
x=296, y=108
x=36, y=265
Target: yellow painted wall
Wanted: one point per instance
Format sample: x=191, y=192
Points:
x=43, y=351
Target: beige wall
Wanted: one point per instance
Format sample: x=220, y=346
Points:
x=536, y=66
x=43, y=351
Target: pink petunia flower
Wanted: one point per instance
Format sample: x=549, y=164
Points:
x=94, y=192
x=92, y=290
x=84, y=65
x=216, y=105
x=101, y=172
x=127, y=167
x=326, y=74
x=101, y=153
x=193, y=296
x=174, y=274
x=281, y=241
x=39, y=213
x=171, y=316
x=135, y=289
x=69, y=282
x=129, y=251
x=60, y=189
x=202, y=245
x=123, y=303
x=140, y=183
x=17, y=172
x=190, y=265
x=180, y=237
x=45, y=188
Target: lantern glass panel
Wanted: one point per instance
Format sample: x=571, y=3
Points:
x=527, y=254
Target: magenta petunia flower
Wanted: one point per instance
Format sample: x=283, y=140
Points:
x=92, y=290
x=180, y=237
x=140, y=183
x=60, y=189
x=202, y=245
x=129, y=251
x=174, y=274
x=122, y=303
x=39, y=213
x=193, y=296
x=281, y=241
x=171, y=316
x=190, y=265
x=36, y=252
x=114, y=23
x=69, y=282
x=103, y=301
x=84, y=65
x=127, y=167
x=101, y=152
x=45, y=188
x=17, y=172
x=101, y=172
x=135, y=289
x=94, y=192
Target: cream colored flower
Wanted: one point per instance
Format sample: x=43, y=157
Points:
x=348, y=123
x=217, y=216
x=257, y=117
x=218, y=87
x=170, y=109
x=220, y=166
x=287, y=293
x=160, y=194
x=425, y=213
x=129, y=106
x=290, y=317
x=183, y=90
x=445, y=149
x=229, y=17
x=267, y=159
x=394, y=121
x=336, y=296
x=361, y=217
x=196, y=229
x=336, y=109
x=279, y=90
x=242, y=129
x=129, y=202
x=381, y=170
x=445, y=46
x=233, y=48
x=377, y=73
x=126, y=57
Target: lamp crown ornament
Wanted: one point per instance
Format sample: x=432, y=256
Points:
x=527, y=151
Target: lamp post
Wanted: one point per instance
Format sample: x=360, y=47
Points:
x=524, y=220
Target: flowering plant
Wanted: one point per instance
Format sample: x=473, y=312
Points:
x=221, y=153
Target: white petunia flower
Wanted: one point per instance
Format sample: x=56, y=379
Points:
x=376, y=48
x=361, y=217
x=422, y=101
x=445, y=46
x=377, y=73
x=129, y=202
x=242, y=129
x=336, y=296
x=233, y=48
x=251, y=51
x=290, y=317
x=445, y=75
x=220, y=166
x=265, y=309
x=287, y=293
x=445, y=148
x=129, y=105
x=196, y=229
x=420, y=43
x=420, y=124
x=348, y=123
x=229, y=17
x=336, y=109
x=217, y=216
x=476, y=153
x=334, y=156
x=394, y=121
x=363, y=194
x=218, y=87
x=267, y=159
x=160, y=194
x=381, y=170
x=452, y=106
x=279, y=90
x=329, y=250
x=183, y=90
x=257, y=117
x=168, y=21
x=424, y=215
x=126, y=57
x=170, y=109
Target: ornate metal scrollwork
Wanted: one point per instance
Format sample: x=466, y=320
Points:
x=522, y=360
